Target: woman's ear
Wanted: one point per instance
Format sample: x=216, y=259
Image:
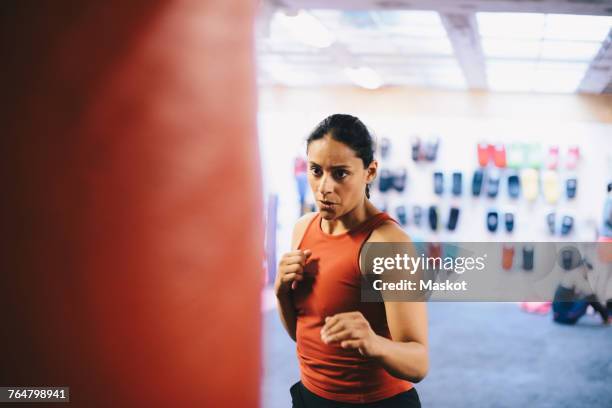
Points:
x=371, y=172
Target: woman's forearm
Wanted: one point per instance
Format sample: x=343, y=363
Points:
x=405, y=360
x=287, y=313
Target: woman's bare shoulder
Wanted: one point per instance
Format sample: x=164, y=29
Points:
x=300, y=228
x=389, y=231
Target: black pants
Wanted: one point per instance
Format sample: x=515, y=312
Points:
x=303, y=398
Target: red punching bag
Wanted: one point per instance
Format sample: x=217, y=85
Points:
x=131, y=216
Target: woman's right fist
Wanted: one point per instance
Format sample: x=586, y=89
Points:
x=290, y=270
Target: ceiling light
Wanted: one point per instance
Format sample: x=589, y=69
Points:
x=412, y=23
x=511, y=25
x=573, y=27
x=529, y=76
x=557, y=80
x=559, y=77
x=433, y=46
x=504, y=48
x=569, y=50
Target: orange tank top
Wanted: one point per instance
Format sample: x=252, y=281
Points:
x=332, y=285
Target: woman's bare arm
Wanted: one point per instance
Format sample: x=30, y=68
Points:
x=405, y=355
x=284, y=298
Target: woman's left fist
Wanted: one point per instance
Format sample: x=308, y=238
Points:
x=352, y=331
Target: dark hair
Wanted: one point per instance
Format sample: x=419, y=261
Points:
x=349, y=130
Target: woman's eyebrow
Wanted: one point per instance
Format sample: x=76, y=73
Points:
x=339, y=166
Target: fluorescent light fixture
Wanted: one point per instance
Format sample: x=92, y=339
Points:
x=433, y=46
x=415, y=17
x=358, y=19
x=432, y=61
x=500, y=83
x=569, y=50
x=511, y=67
x=538, y=26
x=556, y=82
x=578, y=28
x=580, y=67
x=306, y=28
x=505, y=48
x=372, y=47
x=511, y=25
x=526, y=76
x=558, y=77
x=364, y=77
x=534, y=52
x=529, y=49
x=412, y=23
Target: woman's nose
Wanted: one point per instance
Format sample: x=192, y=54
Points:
x=326, y=185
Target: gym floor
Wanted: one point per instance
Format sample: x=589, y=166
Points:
x=482, y=355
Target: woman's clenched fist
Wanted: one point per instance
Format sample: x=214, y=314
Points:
x=290, y=270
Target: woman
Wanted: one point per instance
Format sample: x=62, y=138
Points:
x=350, y=353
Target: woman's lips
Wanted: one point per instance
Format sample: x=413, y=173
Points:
x=327, y=205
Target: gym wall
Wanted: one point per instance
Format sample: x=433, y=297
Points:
x=461, y=120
